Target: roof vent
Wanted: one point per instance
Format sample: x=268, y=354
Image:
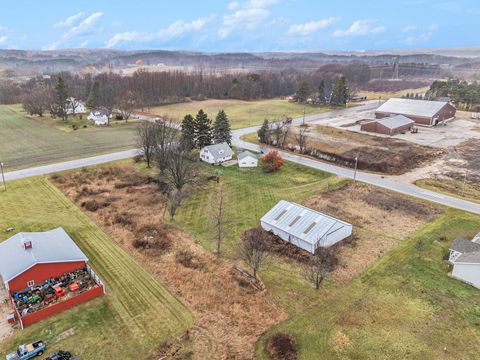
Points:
x=27, y=243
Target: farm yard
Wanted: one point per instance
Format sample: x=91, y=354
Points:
x=136, y=315
x=241, y=113
x=33, y=141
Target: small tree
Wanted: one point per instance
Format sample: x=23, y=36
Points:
x=301, y=137
x=93, y=99
x=203, y=129
x=272, y=161
x=174, y=200
x=126, y=105
x=188, y=132
x=61, y=96
x=321, y=92
x=263, y=135
x=219, y=217
x=221, y=129
x=322, y=263
x=340, y=92
x=253, y=249
x=179, y=170
x=147, y=140
x=167, y=138
x=303, y=91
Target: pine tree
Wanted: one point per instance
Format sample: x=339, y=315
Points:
x=203, y=129
x=263, y=132
x=188, y=132
x=61, y=95
x=303, y=91
x=221, y=129
x=321, y=92
x=93, y=99
x=340, y=92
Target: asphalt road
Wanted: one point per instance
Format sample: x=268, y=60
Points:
x=373, y=179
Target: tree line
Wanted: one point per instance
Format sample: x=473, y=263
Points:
x=465, y=95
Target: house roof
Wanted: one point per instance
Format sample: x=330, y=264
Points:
x=472, y=258
x=464, y=246
x=219, y=150
x=245, y=154
x=421, y=108
x=303, y=223
x=396, y=121
x=47, y=247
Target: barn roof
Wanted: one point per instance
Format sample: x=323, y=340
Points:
x=219, y=151
x=421, y=108
x=471, y=258
x=303, y=223
x=396, y=121
x=47, y=247
x=464, y=246
x=245, y=154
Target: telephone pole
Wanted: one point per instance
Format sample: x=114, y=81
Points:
x=3, y=176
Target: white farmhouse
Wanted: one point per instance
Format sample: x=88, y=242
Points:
x=98, y=117
x=75, y=106
x=306, y=228
x=246, y=159
x=216, y=154
x=465, y=257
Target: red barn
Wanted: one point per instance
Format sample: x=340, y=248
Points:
x=389, y=126
x=31, y=259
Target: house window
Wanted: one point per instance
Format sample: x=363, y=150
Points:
x=31, y=283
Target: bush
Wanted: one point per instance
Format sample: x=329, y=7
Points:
x=282, y=346
x=272, y=161
x=189, y=260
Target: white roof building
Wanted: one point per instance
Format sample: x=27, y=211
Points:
x=465, y=257
x=304, y=227
x=247, y=159
x=217, y=153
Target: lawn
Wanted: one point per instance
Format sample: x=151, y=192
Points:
x=30, y=141
x=136, y=315
x=241, y=113
x=385, y=95
x=468, y=191
x=402, y=306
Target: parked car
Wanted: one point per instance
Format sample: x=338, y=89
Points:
x=28, y=351
x=60, y=355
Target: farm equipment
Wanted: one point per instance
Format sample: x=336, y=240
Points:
x=60, y=355
x=59, y=291
x=25, y=352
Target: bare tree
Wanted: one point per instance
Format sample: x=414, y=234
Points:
x=126, y=105
x=36, y=101
x=285, y=133
x=301, y=137
x=322, y=263
x=174, y=200
x=253, y=249
x=167, y=141
x=147, y=140
x=219, y=216
x=179, y=168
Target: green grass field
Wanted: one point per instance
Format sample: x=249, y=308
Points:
x=403, y=306
x=29, y=141
x=241, y=113
x=451, y=187
x=135, y=316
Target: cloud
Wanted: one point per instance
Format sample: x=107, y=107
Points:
x=311, y=27
x=3, y=40
x=246, y=15
x=70, y=21
x=361, y=28
x=409, y=28
x=174, y=30
x=424, y=36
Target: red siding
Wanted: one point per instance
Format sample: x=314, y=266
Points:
x=447, y=112
x=41, y=272
x=374, y=126
x=56, y=308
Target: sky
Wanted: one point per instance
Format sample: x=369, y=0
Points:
x=241, y=25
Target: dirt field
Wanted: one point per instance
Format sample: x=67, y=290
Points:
x=5, y=328
x=380, y=220
x=128, y=205
x=379, y=154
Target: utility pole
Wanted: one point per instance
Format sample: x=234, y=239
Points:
x=355, y=172
x=3, y=176
x=464, y=183
x=303, y=116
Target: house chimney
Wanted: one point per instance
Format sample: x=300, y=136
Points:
x=27, y=243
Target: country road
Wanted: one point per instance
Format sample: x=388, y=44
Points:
x=373, y=179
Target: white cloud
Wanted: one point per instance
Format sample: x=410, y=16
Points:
x=361, y=28
x=174, y=30
x=424, y=36
x=409, y=28
x=70, y=21
x=246, y=15
x=3, y=28
x=3, y=40
x=311, y=27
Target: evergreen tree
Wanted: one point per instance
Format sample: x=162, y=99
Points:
x=303, y=91
x=340, y=92
x=203, y=129
x=93, y=99
x=61, y=96
x=263, y=132
x=188, y=132
x=221, y=129
x=321, y=92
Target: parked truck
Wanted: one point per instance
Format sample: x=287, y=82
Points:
x=28, y=351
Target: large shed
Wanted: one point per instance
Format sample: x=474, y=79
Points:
x=304, y=227
x=465, y=258
x=423, y=112
x=389, y=126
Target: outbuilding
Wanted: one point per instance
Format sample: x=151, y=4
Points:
x=246, y=159
x=423, y=112
x=216, y=153
x=99, y=117
x=465, y=258
x=306, y=228
x=75, y=106
x=389, y=126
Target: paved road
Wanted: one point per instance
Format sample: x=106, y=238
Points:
x=377, y=180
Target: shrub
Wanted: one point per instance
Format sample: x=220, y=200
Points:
x=282, y=346
x=272, y=161
x=189, y=260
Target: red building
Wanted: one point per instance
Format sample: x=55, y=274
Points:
x=29, y=260
x=389, y=126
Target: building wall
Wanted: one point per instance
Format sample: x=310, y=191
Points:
x=447, y=112
x=41, y=272
x=336, y=236
x=470, y=273
x=248, y=162
x=288, y=238
x=418, y=120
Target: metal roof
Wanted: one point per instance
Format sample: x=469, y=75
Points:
x=464, y=246
x=303, y=223
x=421, y=108
x=219, y=150
x=245, y=154
x=396, y=121
x=47, y=247
x=471, y=258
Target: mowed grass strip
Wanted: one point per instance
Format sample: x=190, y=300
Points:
x=137, y=314
x=241, y=113
x=28, y=141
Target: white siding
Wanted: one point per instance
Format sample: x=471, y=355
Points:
x=336, y=236
x=248, y=162
x=469, y=273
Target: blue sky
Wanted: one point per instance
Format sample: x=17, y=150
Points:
x=241, y=25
